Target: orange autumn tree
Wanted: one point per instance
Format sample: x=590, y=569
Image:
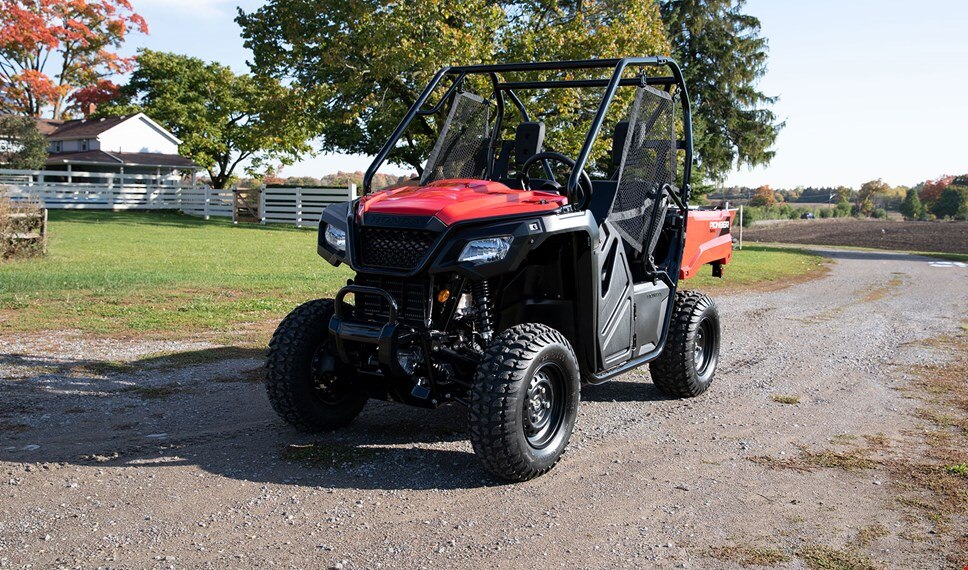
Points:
x=763, y=196
x=51, y=50
x=932, y=189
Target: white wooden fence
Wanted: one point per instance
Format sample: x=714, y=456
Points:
x=109, y=191
x=300, y=206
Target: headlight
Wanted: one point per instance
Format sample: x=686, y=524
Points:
x=486, y=250
x=336, y=238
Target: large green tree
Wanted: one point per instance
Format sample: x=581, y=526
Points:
x=953, y=201
x=223, y=119
x=723, y=56
x=21, y=144
x=362, y=63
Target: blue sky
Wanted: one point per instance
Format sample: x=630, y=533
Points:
x=868, y=88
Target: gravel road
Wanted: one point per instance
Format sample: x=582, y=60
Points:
x=180, y=462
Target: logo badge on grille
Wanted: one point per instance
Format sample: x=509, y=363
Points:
x=389, y=220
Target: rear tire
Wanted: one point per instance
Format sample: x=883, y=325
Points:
x=524, y=402
x=686, y=367
x=305, y=384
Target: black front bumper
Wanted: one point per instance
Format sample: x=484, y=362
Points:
x=348, y=329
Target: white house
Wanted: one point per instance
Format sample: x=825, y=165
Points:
x=127, y=145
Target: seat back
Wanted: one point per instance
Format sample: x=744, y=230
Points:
x=528, y=141
x=618, y=146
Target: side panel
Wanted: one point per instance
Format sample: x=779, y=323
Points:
x=651, y=300
x=614, y=299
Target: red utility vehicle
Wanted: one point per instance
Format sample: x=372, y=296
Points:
x=482, y=286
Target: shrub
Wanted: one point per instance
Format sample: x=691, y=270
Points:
x=826, y=212
x=879, y=213
x=747, y=217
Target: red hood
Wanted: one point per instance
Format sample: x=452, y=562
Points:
x=453, y=201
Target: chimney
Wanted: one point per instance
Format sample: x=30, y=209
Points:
x=89, y=109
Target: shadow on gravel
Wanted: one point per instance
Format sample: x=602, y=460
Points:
x=194, y=409
x=207, y=409
x=623, y=391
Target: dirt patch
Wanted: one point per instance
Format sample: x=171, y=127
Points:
x=946, y=237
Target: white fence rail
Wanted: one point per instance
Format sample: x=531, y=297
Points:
x=300, y=206
x=64, y=190
x=41, y=178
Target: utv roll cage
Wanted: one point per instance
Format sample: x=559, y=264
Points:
x=505, y=90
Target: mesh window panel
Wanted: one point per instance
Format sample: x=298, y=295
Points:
x=648, y=164
x=461, y=148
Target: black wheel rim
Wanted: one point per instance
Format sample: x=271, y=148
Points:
x=544, y=405
x=704, y=352
x=328, y=387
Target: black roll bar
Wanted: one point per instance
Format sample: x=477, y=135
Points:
x=611, y=85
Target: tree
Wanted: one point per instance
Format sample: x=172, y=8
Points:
x=865, y=202
x=722, y=57
x=953, y=201
x=22, y=147
x=80, y=37
x=931, y=189
x=87, y=99
x=843, y=194
x=911, y=206
x=222, y=118
x=763, y=196
x=362, y=63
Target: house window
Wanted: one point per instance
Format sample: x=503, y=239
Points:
x=84, y=144
x=56, y=147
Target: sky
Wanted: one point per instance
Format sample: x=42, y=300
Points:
x=868, y=88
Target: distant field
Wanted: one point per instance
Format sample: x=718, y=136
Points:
x=941, y=237
x=172, y=276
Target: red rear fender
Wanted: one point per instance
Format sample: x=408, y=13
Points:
x=708, y=240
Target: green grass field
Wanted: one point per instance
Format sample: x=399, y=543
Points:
x=165, y=274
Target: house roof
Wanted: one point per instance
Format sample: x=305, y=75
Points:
x=85, y=128
x=47, y=126
x=121, y=159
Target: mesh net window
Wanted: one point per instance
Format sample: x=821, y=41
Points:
x=461, y=148
x=648, y=164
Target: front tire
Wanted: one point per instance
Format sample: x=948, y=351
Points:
x=524, y=402
x=686, y=367
x=306, y=386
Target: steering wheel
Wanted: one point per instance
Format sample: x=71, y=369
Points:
x=585, y=183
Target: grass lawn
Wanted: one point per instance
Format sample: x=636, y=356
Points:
x=136, y=273
x=166, y=274
x=760, y=267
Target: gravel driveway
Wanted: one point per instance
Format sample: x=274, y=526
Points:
x=180, y=462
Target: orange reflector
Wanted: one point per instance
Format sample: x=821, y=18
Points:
x=443, y=296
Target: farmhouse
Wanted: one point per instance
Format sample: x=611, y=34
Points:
x=125, y=145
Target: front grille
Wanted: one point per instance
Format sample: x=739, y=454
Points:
x=387, y=248
x=412, y=297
